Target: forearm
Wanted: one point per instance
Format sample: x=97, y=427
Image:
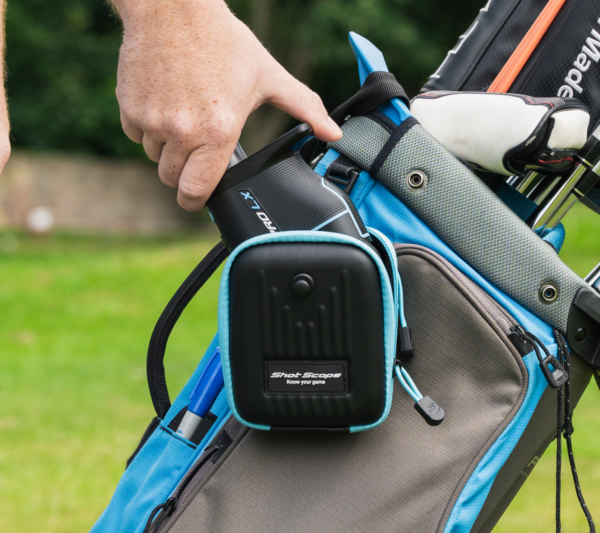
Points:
x=3, y=40
x=4, y=124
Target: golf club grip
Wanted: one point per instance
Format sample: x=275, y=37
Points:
x=464, y=213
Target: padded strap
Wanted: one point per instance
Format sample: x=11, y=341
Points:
x=155, y=368
x=378, y=88
x=466, y=215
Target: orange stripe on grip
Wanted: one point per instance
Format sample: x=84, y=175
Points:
x=519, y=57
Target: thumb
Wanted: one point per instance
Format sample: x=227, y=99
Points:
x=294, y=98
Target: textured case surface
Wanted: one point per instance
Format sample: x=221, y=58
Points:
x=328, y=343
x=403, y=476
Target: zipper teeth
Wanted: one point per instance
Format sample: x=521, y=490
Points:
x=195, y=469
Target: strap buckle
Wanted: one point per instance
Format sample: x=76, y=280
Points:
x=344, y=173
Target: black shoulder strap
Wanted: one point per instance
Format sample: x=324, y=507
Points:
x=378, y=88
x=155, y=369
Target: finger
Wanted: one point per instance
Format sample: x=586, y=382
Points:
x=133, y=132
x=296, y=99
x=203, y=169
x=152, y=147
x=172, y=161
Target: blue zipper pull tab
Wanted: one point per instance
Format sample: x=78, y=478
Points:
x=424, y=405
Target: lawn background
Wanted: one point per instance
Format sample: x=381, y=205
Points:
x=77, y=313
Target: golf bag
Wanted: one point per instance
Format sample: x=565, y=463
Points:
x=488, y=302
x=539, y=48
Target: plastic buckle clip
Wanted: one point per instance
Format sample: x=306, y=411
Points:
x=556, y=378
x=344, y=173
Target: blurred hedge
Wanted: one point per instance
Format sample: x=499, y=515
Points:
x=62, y=58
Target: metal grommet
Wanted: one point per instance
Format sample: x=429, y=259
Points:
x=548, y=293
x=416, y=180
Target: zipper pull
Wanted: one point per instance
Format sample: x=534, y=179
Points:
x=553, y=371
x=163, y=511
x=404, y=344
x=424, y=405
x=159, y=514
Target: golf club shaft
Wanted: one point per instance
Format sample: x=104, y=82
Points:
x=593, y=278
x=585, y=175
x=529, y=182
x=544, y=189
x=237, y=156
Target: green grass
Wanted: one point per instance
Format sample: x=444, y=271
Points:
x=77, y=314
x=76, y=319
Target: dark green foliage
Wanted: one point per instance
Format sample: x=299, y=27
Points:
x=61, y=62
x=62, y=57
x=414, y=36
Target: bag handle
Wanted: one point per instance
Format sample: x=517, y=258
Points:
x=378, y=88
x=155, y=368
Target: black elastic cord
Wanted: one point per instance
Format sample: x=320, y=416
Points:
x=567, y=430
x=165, y=510
x=559, y=425
x=378, y=88
x=155, y=369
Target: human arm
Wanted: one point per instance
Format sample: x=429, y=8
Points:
x=4, y=124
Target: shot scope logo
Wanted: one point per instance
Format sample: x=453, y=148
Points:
x=253, y=204
x=590, y=54
x=306, y=375
x=326, y=377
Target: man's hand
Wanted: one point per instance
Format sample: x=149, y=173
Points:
x=189, y=75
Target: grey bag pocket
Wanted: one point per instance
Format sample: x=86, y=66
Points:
x=401, y=476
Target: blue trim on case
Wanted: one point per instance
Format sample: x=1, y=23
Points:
x=389, y=311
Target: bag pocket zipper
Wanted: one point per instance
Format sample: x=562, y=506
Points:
x=221, y=443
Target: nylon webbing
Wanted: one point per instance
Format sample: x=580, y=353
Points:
x=155, y=368
x=377, y=89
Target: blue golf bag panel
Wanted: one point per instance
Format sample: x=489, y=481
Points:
x=160, y=465
x=391, y=293
x=380, y=209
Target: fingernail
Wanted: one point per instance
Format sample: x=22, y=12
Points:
x=335, y=129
